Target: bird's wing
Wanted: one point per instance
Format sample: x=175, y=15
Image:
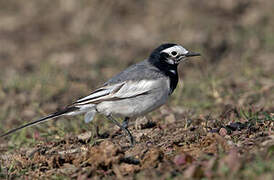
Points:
x=99, y=94
x=127, y=89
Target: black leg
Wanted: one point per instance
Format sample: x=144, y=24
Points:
x=125, y=122
x=104, y=135
x=123, y=128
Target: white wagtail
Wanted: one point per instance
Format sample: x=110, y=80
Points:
x=139, y=89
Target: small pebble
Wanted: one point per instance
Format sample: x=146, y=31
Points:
x=223, y=132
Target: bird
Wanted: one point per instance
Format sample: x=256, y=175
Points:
x=136, y=91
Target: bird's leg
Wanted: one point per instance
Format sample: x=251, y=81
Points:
x=125, y=122
x=123, y=128
x=103, y=135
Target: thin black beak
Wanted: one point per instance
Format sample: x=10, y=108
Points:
x=190, y=54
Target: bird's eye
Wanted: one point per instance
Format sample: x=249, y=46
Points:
x=174, y=53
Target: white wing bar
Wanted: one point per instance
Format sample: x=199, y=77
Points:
x=118, y=91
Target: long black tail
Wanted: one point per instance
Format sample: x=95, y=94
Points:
x=54, y=115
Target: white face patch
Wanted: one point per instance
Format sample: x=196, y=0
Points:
x=179, y=49
x=170, y=61
x=175, y=54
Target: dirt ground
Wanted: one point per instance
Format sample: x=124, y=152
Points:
x=218, y=124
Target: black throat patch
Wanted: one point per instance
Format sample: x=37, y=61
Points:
x=173, y=77
x=168, y=70
x=157, y=59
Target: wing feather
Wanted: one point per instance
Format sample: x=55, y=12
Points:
x=99, y=94
x=118, y=91
x=134, y=88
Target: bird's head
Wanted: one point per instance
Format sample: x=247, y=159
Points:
x=171, y=54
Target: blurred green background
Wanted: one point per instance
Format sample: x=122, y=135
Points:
x=53, y=52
